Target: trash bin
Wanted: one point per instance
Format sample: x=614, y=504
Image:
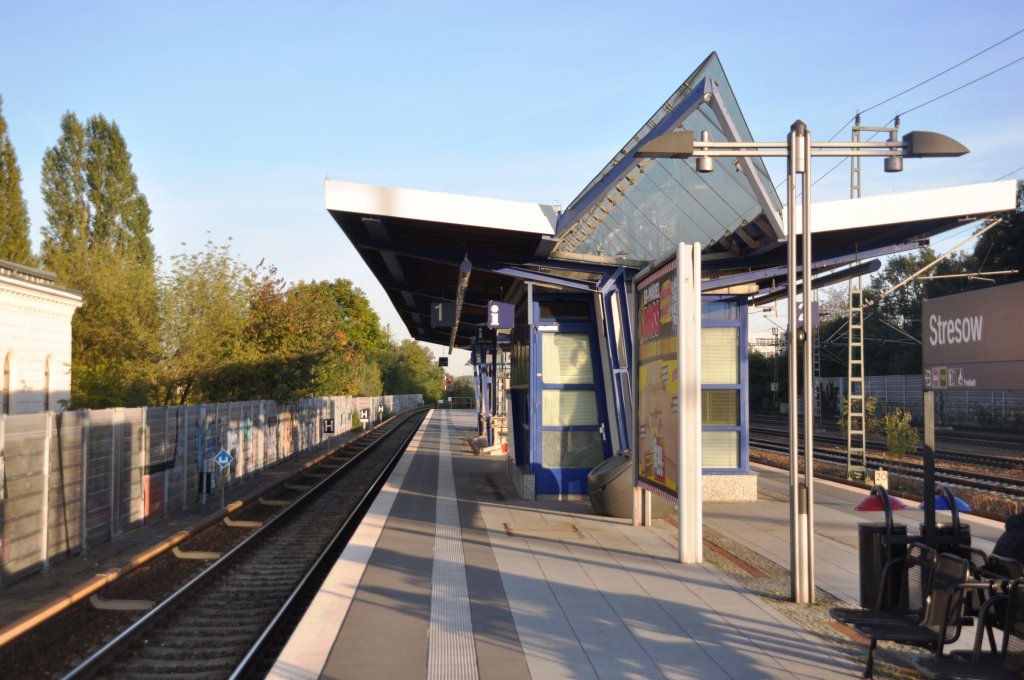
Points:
x=610, y=485
x=947, y=531
x=875, y=551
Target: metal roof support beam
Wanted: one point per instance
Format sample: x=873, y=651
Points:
x=549, y=279
x=828, y=280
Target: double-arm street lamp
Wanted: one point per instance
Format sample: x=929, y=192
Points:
x=798, y=149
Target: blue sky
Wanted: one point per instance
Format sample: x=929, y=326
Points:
x=236, y=112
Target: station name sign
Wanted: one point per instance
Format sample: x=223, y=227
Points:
x=972, y=340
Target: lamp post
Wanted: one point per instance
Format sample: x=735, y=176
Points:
x=798, y=150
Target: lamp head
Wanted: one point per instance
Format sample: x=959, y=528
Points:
x=920, y=144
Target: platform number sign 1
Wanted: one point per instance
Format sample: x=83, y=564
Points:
x=442, y=315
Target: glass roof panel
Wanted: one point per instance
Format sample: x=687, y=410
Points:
x=658, y=203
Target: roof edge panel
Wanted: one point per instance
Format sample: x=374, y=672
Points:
x=966, y=200
x=433, y=206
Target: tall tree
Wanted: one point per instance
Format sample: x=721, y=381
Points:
x=412, y=369
x=892, y=322
x=311, y=339
x=97, y=241
x=204, y=307
x=15, y=243
x=1002, y=247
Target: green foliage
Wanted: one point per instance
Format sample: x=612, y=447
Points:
x=204, y=307
x=412, y=369
x=254, y=337
x=299, y=340
x=97, y=241
x=900, y=435
x=892, y=325
x=462, y=389
x=872, y=423
x=1002, y=247
x=212, y=328
x=761, y=372
x=15, y=243
x=357, y=422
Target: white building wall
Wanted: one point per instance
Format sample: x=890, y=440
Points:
x=35, y=328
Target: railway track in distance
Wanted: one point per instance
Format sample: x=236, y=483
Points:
x=228, y=621
x=994, y=484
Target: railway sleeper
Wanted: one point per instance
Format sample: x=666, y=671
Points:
x=156, y=675
x=177, y=637
x=179, y=668
x=195, y=554
x=102, y=604
x=224, y=649
x=243, y=523
x=196, y=626
x=243, y=613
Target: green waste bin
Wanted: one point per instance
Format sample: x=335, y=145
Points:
x=875, y=551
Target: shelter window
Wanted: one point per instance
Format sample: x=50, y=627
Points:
x=720, y=407
x=719, y=310
x=720, y=356
x=720, y=449
x=565, y=310
x=570, y=407
x=721, y=393
x=571, y=417
x=567, y=359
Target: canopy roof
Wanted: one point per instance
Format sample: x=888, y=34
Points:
x=632, y=213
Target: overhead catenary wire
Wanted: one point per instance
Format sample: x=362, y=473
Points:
x=936, y=261
x=914, y=87
x=1009, y=174
x=925, y=81
x=957, y=89
x=915, y=108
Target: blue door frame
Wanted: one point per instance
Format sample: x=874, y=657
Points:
x=564, y=480
x=619, y=332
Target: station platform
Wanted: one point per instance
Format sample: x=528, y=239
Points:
x=450, y=575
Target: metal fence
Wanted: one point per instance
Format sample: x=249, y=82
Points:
x=75, y=479
x=995, y=409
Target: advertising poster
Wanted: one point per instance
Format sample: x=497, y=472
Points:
x=658, y=382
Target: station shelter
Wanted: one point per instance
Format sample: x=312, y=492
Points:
x=563, y=372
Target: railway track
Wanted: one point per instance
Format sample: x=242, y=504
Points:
x=1012, y=488
x=221, y=623
x=959, y=440
x=227, y=616
x=960, y=456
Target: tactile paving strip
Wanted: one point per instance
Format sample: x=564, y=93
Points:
x=452, y=652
